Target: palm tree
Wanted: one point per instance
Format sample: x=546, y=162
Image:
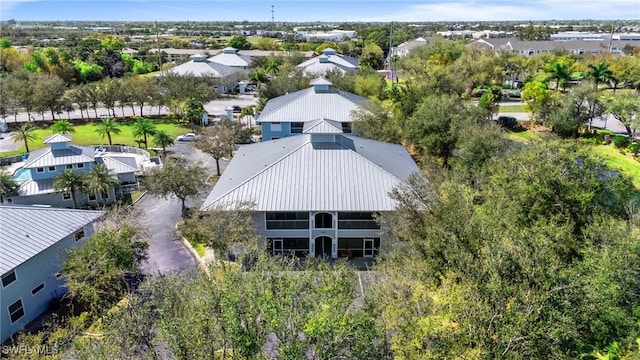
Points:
x=260, y=77
x=600, y=73
x=560, y=73
x=162, y=139
x=99, y=181
x=142, y=128
x=271, y=67
x=62, y=127
x=71, y=181
x=25, y=134
x=247, y=111
x=7, y=185
x=106, y=127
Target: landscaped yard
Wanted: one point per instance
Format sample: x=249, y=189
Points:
x=623, y=162
x=523, y=136
x=512, y=109
x=86, y=135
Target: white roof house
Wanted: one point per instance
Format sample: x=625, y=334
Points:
x=199, y=66
x=29, y=230
x=329, y=60
x=230, y=57
x=314, y=172
x=320, y=101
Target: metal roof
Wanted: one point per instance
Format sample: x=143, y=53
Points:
x=115, y=165
x=36, y=187
x=309, y=104
x=231, y=59
x=57, y=138
x=314, y=172
x=29, y=230
x=345, y=62
x=70, y=155
x=201, y=68
x=322, y=126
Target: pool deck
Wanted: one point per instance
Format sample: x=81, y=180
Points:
x=11, y=169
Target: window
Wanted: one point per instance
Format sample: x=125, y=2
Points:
x=357, y=220
x=59, y=275
x=69, y=166
x=298, y=247
x=8, y=278
x=52, y=168
x=346, y=128
x=16, y=311
x=40, y=169
x=358, y=247
x=92, y=197
x=323, y=221
x=276, y=127
x=66, y=195
x=80, y=165
x=79, y=234
x=104, y=195
x=37, y=289
x=9, y=201
x=287, y=220
x=296, y=127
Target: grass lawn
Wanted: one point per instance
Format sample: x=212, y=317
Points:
x=623, y=162
x=512, y=109
x=86, y=135
x=523, y=136
x=199, y=248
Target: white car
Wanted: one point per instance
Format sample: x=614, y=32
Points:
x=187, y=137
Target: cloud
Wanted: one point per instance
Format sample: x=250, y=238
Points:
x=7, y=5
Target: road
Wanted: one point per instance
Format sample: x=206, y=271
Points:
x=167, y=254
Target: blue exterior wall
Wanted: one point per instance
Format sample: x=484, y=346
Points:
x=269, y=134
x=56, y=199
x=50, y=174
x=40, y=268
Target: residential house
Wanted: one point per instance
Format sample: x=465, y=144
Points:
x=199, y=66
x=328, y=61
x=33, y=246
x=530, y=48
x=42, y=166
x=406, y=47
x=286, y=115
x=316, y=194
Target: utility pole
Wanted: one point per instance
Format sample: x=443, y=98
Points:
x=273, y=22
x=158, y=44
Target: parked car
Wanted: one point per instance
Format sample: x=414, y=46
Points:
x=237, y=109
x=187, y=137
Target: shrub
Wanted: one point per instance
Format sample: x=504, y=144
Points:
x=635, y=149
x=592, y=139
x=620, y=141
x=508, y=122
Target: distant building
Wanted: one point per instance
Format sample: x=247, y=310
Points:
x=316, y=194
x=230, y=57
x=292, y=114
x=406, y=47
x=328, y=61
x=33, y=246
x=530, y=48
x=333, y=35
x=200, y=66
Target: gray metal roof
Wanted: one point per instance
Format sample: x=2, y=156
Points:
x=36, y=187
x=70, y=155
x=57, y=138
x=314, y=172
x=115, y=165
x=309, y=104
x=231, y=59
x=322, y=126
x=201, y=68
x=341, y=62
x=28, y=230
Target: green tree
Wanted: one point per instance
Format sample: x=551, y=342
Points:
x=559, y=72
x=62, y=127
x=70, y=181
x=259, y=76
x=25, y=134
x=600, y=73
x=176, y=179
x=272, y=66
x=162, y=139
x=97, y=273
x=8, y=185
x=100, y=181
x=579, y=107
x=217, y=141
x=142, y=128
x=240, y=43
x=372, y=56
x=374, y=120
x=537, y=100
x=107, y=127
x=489, y=101
x=48, y=91
x=625, y=107
x=193, y=111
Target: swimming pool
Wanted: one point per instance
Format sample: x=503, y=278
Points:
x=22, y=174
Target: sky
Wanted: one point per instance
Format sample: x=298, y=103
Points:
x=319, y=10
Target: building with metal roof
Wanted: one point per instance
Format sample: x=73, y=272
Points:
x=35, y=178
x=576, y=47
x=328, y=61
x=316, y=194
x=230, y=57
x=33, y=243
x=286, y=115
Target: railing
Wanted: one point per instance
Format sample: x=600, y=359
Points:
x=124, y=149
x=8, y=160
